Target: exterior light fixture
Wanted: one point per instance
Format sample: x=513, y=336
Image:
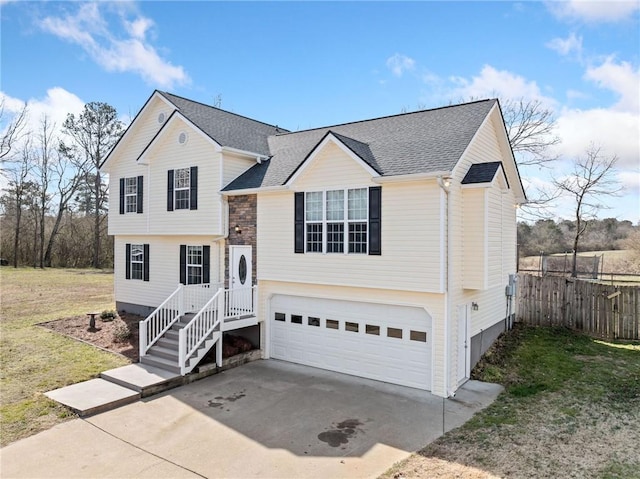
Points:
x=237, y=229
x=474, y=306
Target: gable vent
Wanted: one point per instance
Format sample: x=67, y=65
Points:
x=182, y=138
x=161, y=118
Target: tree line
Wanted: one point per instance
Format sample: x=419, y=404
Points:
x=547, y=236
x=55, y=202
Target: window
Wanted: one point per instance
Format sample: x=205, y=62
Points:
x=131, y=195
x=280, y=317
x=394, y=333
x=418, y=336
x=296, y=319
x=313, y=321
x=326, y=221
x=182, y=189
x=372, y=329
x=137, y=261
x=195, y=264
x=332, y=324
x=351, y=326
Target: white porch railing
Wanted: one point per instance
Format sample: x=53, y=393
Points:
x=186, y=298
x=225, y=304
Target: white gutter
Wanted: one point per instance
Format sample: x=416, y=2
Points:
x=412, y=177
x=253, y=191
x=259, y=158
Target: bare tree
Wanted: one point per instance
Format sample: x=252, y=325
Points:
x=530, y=126
x=94, y=132
x=44, y=175
x=12, y=132
x=593, y=177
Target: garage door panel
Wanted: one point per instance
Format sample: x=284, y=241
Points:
x=390, y=359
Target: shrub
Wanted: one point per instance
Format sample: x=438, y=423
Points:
x=121, y=333
x=108, y=315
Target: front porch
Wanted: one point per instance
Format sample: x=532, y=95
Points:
x=192, y=321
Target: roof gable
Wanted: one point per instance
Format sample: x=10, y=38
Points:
x=357, y=151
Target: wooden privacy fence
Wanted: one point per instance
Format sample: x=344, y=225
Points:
x=601, y=310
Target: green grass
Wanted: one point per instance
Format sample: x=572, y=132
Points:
x=571, y=408
x=35, y=360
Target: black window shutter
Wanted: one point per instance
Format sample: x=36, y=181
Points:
x=121, y=196
x=170, y=190
x=140, y=196
x=193, y=183
x=145, y=270
x=375, y=211
x=299, y=222
x=206, y=263
x=183, y=264
x=127, y=255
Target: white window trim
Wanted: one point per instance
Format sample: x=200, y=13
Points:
x=140, y=262
x=195, y=265
x=133, y=195
x=182, y=188
x=345, y=220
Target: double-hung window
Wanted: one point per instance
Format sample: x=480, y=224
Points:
x=131, y=194
x=336, y=221
x=194, y=265
x=137, y=261
x=181, y=188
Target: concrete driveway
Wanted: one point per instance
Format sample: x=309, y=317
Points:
x=266, y=419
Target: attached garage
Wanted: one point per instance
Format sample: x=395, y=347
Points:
x=388, y=343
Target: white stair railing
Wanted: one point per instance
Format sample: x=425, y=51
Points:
x=197, y=295
x=201, y=327
x=163, y=317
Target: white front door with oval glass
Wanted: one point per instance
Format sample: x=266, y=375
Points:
x=241, y=278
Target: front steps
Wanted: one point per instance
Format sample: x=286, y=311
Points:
x=130, y=383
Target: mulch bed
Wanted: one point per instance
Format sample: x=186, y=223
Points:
x=119, y=335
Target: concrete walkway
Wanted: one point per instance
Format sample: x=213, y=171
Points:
x=265, y=419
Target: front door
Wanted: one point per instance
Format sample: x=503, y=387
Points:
x=464, y=346
x=240, y=280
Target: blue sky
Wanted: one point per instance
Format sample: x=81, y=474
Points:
x=307, y=64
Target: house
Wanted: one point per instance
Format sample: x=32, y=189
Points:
x=381, y=248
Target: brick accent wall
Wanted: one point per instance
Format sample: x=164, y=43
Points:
x=242, y=212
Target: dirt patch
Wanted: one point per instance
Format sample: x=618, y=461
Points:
x=119, y=335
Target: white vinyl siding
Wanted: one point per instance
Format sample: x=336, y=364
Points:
x=164, y=267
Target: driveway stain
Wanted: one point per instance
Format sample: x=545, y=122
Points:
x=340, y=433
x=220, y=401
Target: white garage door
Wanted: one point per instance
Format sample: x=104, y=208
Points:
x=377, y=341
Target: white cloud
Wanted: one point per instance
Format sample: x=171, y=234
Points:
x=566, y=46
x=594, y=11
x=399, y=64
x=56, y=105
x=630, y=181
x=502, y=83
x=615, y=131
x=89, y=29
x=620, y=78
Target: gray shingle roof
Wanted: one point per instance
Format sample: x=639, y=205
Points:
x=226, y=128
x=481, y=173
x=420, y=142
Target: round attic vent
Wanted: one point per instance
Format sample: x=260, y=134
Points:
x=182, y=138
x=161, y=118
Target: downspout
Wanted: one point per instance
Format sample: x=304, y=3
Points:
x=444, y=183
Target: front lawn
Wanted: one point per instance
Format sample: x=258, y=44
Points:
x=35, y=360
x=571, y=408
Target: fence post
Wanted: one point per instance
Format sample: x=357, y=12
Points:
x=143, y=339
